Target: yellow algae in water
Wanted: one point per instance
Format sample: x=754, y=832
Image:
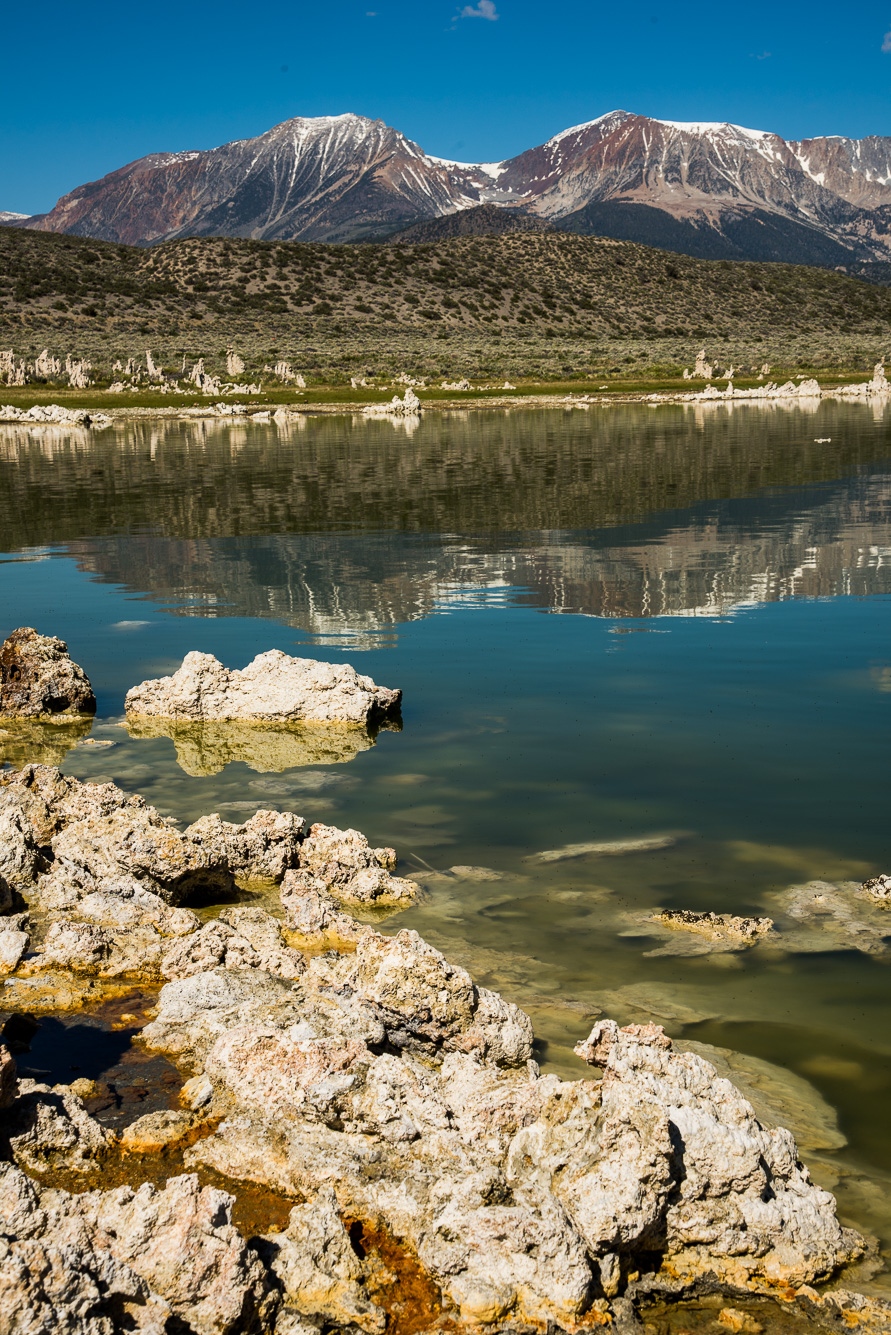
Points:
x=807, y=862
x=833, y=1068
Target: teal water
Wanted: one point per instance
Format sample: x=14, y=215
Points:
x=620, y=624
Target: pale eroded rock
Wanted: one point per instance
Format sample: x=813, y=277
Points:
x=273, y=687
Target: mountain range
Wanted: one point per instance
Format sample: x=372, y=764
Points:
x=707, y=189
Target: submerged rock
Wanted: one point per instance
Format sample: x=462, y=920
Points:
x=605, y=848
x=828, y=916
x=38, y=678
x=272, y=687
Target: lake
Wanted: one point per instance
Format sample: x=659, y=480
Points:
x=661, y=629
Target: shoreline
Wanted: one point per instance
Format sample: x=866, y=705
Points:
x=379, y=408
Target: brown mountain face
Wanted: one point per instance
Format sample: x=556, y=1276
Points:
x=707, y=189
x=329, y=178
x=717, y=184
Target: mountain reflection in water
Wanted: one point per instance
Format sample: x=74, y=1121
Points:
x=338, y=526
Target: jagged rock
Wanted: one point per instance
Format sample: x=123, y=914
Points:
x=234, y=363
x=264, y=934
x=198, y=1010
x=120, y=902
x=408, y=406
x=312, y=912
x=335, y=856
x=522, y=1196
x=716, y=931
x=274, y=686
x=351, y=870
x=55, y=1275
x=429, y=1005
x=215, y=944
x=37, y=677
x=731, y=1196
x=218, y=944
x=158, y=1132
x=102, y=1262
x=19, y=855
x=138, y=845
x=103, y=843
x=182, y=1243
x=264, y=847
x=319, y=1272
x=91, y=951
x=879, y=887
x=46, y=1129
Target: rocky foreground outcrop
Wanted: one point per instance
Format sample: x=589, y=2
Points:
x=106, y=877
x=38, y=678
x=373, y=1083
x=274, y=687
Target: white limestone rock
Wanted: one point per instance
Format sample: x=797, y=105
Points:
x=272, y=687
x=263, y=848
x=408, y=406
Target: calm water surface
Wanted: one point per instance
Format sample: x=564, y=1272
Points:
x=629, y=623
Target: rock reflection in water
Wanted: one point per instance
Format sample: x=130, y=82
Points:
x=206, y=748
x=32, y=740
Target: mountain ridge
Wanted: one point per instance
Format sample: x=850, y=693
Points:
x=349, y=178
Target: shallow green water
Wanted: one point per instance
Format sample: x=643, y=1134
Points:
x=609, y=625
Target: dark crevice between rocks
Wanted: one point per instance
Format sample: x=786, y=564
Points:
x=396, y=1280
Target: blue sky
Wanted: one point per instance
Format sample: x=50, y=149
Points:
x=95, y=88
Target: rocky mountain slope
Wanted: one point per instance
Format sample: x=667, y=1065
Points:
x=323, y=178
x=714, y=190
